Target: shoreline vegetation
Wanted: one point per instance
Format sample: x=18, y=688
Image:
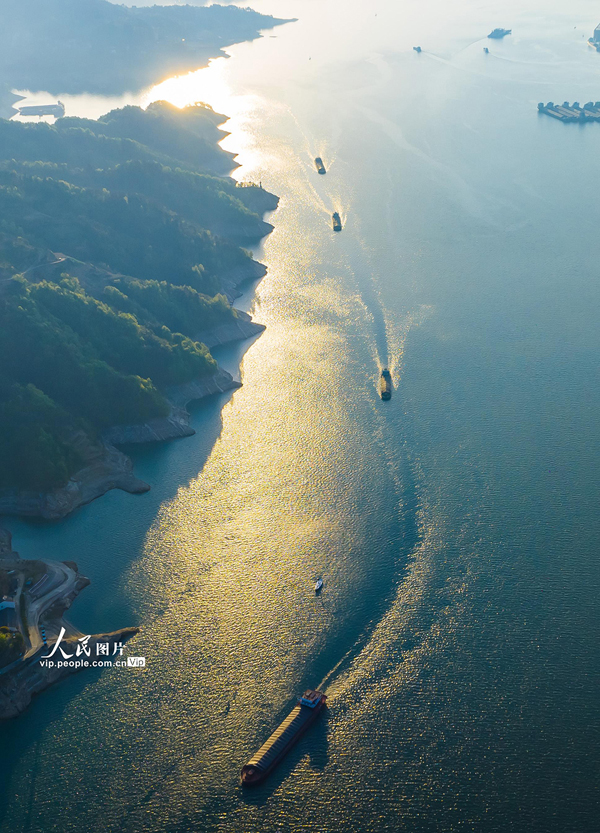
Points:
x=120, y=256
x=115, y=273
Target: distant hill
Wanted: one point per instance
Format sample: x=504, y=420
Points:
x=7, y=102
x=76, y=46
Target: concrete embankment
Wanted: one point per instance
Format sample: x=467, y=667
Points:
x=41, y=605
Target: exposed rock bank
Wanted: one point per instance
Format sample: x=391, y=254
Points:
x=106, y=468
x=241, y=328
x=177, y=424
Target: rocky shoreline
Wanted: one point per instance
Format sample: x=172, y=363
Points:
x=176, y=424
x=26, y=677
x=18, y=687
x=108, y=468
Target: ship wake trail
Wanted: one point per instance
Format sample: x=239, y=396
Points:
x=373, y=305
x=371, y=300
x=404, y=476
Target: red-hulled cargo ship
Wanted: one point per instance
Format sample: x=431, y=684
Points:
x=283, y=738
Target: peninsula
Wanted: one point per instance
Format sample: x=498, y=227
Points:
x=119, y=259
x=33, y=598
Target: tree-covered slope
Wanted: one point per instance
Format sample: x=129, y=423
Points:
x=110, y=269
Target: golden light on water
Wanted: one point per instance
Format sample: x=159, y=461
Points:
x=207, y=85
x=210, y=86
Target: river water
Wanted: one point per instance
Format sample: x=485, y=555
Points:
x=456, y=527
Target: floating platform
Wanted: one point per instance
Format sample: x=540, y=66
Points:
x=571, y=112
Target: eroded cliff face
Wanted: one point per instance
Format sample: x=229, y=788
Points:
x=241, y=328
x=106, y=468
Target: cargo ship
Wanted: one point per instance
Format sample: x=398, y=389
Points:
x=56, y=110
x=337, y=223
x=320, y=166
x=385, y=384
x=496, y=34
x=283, y=738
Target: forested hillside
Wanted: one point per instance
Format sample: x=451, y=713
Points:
x=110, y=270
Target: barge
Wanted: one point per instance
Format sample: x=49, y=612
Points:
x=571, y=112
x=385, y=384
x=320, y=166
x=283, y=738
x=336, y=221
x=56, y=110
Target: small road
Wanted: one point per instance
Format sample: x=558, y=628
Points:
x=60, y=583
x=5, y=281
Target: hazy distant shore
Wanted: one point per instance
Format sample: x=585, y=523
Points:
x=66, y=46
x=8, y=100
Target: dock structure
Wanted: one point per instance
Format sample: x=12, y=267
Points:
x=571, y=112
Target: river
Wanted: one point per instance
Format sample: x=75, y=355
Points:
x=456, y=527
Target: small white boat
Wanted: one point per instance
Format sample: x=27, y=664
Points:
x=318, y=585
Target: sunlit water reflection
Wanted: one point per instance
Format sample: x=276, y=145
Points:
x=455, y=527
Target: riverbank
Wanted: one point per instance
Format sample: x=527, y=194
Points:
x=105, y=48
x=106, y=324
x=39, y=593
